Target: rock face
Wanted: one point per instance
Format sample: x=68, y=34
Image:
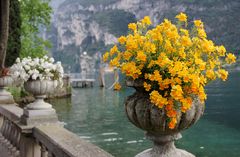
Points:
x=80, y=25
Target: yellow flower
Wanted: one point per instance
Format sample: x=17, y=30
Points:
x=176, y=92
x=223, y=74
x=115, y=62
x=221, y=50
x=198, y=23
x=130, y=69
x=202, y=95
x=172, y=123
x=146, y=20
x=117, y=86
x=210, y=74
x=186, y=41
x=141, y=56
x=182, y=17
x=122, y=40
x=127, y=55
x=147, y=86
x=113, y=50
x=186, y=104
x=184, y=31
x=202, y=33
x=105, y=56
x=157, y=99
x=231, y=58
x=132, y=26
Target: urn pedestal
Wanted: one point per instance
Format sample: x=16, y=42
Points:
x=39, y=111
x=148, y=117
x=5, y=96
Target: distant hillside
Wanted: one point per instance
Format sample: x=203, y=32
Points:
x=94, y=25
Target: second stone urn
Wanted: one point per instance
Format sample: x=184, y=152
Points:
x=146, y=116
x=39, y=109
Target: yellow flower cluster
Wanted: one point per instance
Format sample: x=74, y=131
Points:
x=174, y=62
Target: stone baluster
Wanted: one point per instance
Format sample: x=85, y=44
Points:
x=50, y=154
x=17, y=143
x=44, y=152
x=14, y=151
x=1, y=121
x=9, y=137
x=6, y=133
x=3, y=128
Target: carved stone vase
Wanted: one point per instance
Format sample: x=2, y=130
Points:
x=39, y=89
x=5, y=96
x=146, y=116
x=39, y=110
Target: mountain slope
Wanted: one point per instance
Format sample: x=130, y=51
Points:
x=94, y=25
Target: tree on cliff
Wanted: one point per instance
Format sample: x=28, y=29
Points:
x=4, y=26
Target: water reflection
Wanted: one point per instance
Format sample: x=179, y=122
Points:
x=98, y=115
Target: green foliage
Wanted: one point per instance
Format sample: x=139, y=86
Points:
x=14, y=42
x=115, y=21
x=35, y=15
x=16, y=92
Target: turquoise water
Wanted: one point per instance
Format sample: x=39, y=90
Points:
x=97, y=115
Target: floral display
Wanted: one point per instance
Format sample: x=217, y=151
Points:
x=37, y=69
x=174, y=61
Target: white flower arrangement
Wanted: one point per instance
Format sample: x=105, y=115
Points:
x=37, y=69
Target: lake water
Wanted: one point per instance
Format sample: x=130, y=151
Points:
x=97, y=115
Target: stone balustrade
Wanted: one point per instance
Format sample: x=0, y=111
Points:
x=43, y=140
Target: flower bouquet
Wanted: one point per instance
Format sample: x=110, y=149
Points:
x=40, y=76
x=170, y=64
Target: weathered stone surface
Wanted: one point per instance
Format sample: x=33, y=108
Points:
x=64, y=143
x=12, y=112
x=173, y=153
x=5, y=96
x=164, y=147
x=146, y=116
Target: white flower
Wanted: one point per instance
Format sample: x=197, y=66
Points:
x=51, y=60
x=37, y=68
x=18, y=60
x=27, y=67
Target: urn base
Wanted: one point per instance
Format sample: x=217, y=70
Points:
x=174, y=153
x=36, y=117
x=164, y=146
x=5, y=96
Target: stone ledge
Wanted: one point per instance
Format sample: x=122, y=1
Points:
x=63, y=143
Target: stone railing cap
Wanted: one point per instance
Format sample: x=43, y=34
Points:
x=12, y=112
x=63, y=142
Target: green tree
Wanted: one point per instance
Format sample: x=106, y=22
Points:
x=35, y=15
x=14, y=42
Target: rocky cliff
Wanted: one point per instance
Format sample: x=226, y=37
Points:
x=93, y=25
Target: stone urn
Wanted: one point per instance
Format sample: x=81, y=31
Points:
x=39, y=89
x=39, y=111
x=146, y=116
x=5, y=96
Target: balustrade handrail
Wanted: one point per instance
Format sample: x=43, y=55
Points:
x=63, y=143
x=50, y=139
